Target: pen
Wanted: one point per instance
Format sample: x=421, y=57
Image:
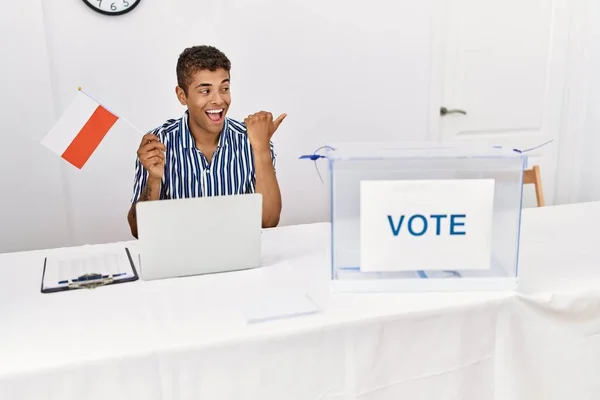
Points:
x=91, y=277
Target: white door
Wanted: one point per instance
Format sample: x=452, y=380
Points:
x=502, y=63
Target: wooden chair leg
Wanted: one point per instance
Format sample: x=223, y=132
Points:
x=539, y=191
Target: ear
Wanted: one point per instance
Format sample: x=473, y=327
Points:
x=181, y=96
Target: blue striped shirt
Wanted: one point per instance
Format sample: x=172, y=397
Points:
x=187, y=171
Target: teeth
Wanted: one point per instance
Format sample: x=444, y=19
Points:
x=214, y=111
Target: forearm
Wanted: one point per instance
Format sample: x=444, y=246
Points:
x=151, y=191
x=267, y=186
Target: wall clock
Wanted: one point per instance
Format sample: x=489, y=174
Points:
x=112, y=7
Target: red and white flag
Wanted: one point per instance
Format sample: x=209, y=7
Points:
x=80, y=130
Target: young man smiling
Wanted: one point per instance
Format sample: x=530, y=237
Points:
x=205, y=153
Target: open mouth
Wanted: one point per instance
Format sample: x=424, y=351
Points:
x=215, y=115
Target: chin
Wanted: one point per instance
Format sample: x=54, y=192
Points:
x=216, y=129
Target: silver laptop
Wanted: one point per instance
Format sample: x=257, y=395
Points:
x=199, y=235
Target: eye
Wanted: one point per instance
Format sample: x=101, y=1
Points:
x=204, y=91
x=226, y=89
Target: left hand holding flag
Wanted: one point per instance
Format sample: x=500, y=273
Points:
x=152, y=156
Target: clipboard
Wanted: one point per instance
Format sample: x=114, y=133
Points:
x=90, y=280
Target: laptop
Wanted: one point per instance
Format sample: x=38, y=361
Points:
x=200, y=235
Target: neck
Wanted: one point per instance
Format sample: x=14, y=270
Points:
x=202, y=137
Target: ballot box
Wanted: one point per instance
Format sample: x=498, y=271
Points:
x=424, y=216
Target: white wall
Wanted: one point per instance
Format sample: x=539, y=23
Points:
x=358, y=75
x=342, y=70
x=32, y=201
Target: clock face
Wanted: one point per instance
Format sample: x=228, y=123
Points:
x=112, y=7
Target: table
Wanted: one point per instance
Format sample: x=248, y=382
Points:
x=187, y=339
x=549, y=335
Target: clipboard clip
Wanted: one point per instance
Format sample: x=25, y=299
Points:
x=90, y=281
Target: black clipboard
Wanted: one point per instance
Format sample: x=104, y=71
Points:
x=90, y=283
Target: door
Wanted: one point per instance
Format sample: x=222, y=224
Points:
x=501, y=68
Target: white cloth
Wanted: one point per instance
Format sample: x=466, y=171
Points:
x=549, y=340
x=187, y=338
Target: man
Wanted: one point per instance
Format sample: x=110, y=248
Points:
x=205, y=153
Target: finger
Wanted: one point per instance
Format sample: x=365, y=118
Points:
x=152, y=154
x=152, y=146
x=148, y=137
x=262, y=114
x=149, y=145
x=279, y=120
x=153, y=161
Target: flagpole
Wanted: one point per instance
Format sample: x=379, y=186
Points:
x=121, y=118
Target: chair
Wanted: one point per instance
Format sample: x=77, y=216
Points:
x=533, y=176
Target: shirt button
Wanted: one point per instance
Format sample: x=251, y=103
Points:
x=207, y=171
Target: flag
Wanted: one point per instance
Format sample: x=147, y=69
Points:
x=80, y=130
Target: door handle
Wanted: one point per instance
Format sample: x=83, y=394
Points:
x=444, y=111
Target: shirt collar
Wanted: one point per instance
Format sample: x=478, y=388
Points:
x=188, y=139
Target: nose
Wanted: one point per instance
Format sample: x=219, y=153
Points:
x=216, y=98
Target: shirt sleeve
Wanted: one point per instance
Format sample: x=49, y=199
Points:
x=273, y=156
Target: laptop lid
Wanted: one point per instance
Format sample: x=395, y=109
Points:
x=200, y=235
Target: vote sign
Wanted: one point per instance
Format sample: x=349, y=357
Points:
x=426, y=224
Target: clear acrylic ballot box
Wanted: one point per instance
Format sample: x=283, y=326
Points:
x=424, y=217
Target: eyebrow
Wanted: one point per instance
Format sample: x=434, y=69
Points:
x=210, y=84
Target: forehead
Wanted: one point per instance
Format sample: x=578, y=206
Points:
x=207, y=76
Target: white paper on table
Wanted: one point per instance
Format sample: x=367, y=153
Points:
x=62, y=267
x=277, y=304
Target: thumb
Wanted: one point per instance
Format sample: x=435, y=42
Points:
x=279, y=120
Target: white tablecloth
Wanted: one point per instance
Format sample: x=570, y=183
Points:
x=187, y=338
x=549, y=333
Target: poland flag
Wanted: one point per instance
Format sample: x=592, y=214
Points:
x=79, y=131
